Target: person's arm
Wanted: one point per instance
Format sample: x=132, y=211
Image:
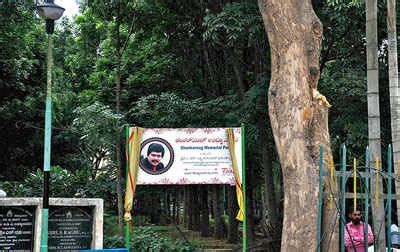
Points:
x=347, y=238
x=370, y=235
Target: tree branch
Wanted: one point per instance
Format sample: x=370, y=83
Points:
x=129, y=35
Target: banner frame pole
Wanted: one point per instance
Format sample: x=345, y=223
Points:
x=244, y=188
x=127, y=231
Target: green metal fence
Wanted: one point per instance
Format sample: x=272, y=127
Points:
x=360, y=193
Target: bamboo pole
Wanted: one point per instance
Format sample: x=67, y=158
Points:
x=394, y=87
x=374, y=132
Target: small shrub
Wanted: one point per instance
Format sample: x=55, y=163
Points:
x=145, y=239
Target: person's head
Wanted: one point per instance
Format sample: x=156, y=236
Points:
x=155, y=153
x=356, y=217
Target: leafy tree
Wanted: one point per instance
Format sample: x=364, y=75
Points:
x=97, y=125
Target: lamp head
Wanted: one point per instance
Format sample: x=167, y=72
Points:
x=50, y=12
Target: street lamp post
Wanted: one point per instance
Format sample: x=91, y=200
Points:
x=50, y=12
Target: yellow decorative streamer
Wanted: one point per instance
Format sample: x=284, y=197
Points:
x=134, y=141
x=377, y=183
x=332, y=168
x=398, y=169
x=239, y=191
x=355, y=183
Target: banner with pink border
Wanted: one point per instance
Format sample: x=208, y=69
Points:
x=188, y=156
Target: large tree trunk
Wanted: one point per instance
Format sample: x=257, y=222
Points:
x=299, y=117
x=374, y=128
x=394, y=89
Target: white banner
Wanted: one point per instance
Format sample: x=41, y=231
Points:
x=188, y=156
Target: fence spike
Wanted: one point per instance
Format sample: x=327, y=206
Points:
x=355, y=183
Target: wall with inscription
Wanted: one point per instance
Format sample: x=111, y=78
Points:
x=70, y=228
x=74, y=224
x=16, y=228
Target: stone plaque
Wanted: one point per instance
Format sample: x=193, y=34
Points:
x=70, y=228
x=16, y=228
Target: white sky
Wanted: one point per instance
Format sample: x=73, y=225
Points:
x=71, y=7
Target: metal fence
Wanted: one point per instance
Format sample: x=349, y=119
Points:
x=361, y=179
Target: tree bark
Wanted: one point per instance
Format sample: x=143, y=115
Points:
x=374, y=132
x=394, y=90
x=269, y=191
x=250, y=232
x=205, y=220
x=187, y=209
x=165, y=208
x=218, y=220
x=270, y=203
x=196, y=208
x=299, y=118
x=232, y=212
x=174, y=204
x=237, y=70
x=155, y=211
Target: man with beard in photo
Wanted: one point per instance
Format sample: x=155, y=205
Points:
x=354, y=233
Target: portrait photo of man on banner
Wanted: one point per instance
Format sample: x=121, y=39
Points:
x=156, y=156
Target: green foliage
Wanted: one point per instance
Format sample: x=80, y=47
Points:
x=115, y=241
x=144, y=238
x=63, y=183
x=171, y=110
x=346, y=89
x=96, y=125
x=340, y=5
x=237, y=25
x=21, y=60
